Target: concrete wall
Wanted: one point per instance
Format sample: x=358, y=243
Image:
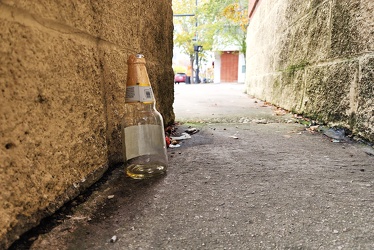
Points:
x=315, y=57
x=217, y=67
x=62, y=86
x=241, y=68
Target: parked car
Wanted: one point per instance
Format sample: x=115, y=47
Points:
x=180, y=77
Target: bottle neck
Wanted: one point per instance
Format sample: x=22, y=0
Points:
x=138, y=86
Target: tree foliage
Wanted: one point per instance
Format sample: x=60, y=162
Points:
x=236, y=14
x=224, y=19
x=185, y=26
x=230, y=21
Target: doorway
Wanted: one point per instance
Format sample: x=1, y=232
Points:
x=229, y=66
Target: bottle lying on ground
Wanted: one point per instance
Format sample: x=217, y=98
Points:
x=143, y=133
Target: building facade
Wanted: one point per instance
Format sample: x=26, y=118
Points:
x=229, y=64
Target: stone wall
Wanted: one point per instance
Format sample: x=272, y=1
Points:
x=316, y=58
x=62, y=81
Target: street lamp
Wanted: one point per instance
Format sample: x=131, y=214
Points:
x=197, y=49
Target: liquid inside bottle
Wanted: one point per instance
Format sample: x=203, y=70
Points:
x=145, y=166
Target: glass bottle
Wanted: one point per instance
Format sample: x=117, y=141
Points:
x=143, y=135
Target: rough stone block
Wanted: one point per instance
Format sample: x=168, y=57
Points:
x=119, y=22
x=298, y=9
x=52, y=114
x=307, y=41
x=327, y=95
x=66, y=14
x=364, y=124
x=253, y=87
x=352, y=28
x=288, y=90
x=261, y=85
x=114, y=72
x=101, y=19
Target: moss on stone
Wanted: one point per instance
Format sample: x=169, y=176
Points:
x=296, y=67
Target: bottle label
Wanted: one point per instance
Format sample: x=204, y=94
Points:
x=144, y=140
x=138, y=93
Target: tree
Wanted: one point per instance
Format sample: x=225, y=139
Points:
x=184, y=36
x=237, y=14
x=212, y=19
x=229, y=21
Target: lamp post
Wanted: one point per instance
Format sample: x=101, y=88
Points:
x=197, y=49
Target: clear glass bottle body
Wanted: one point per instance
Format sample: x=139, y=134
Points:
x=144, y=143
x=143, y=135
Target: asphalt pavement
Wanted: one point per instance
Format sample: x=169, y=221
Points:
x=252, y=177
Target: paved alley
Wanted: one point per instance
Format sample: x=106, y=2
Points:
x=251, y=178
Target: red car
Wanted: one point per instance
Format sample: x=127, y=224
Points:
x=180, y=77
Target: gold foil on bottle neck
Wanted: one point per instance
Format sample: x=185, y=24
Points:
x=137, y=73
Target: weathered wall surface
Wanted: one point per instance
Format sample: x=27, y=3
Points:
x=62, y=81
x=315, y=57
